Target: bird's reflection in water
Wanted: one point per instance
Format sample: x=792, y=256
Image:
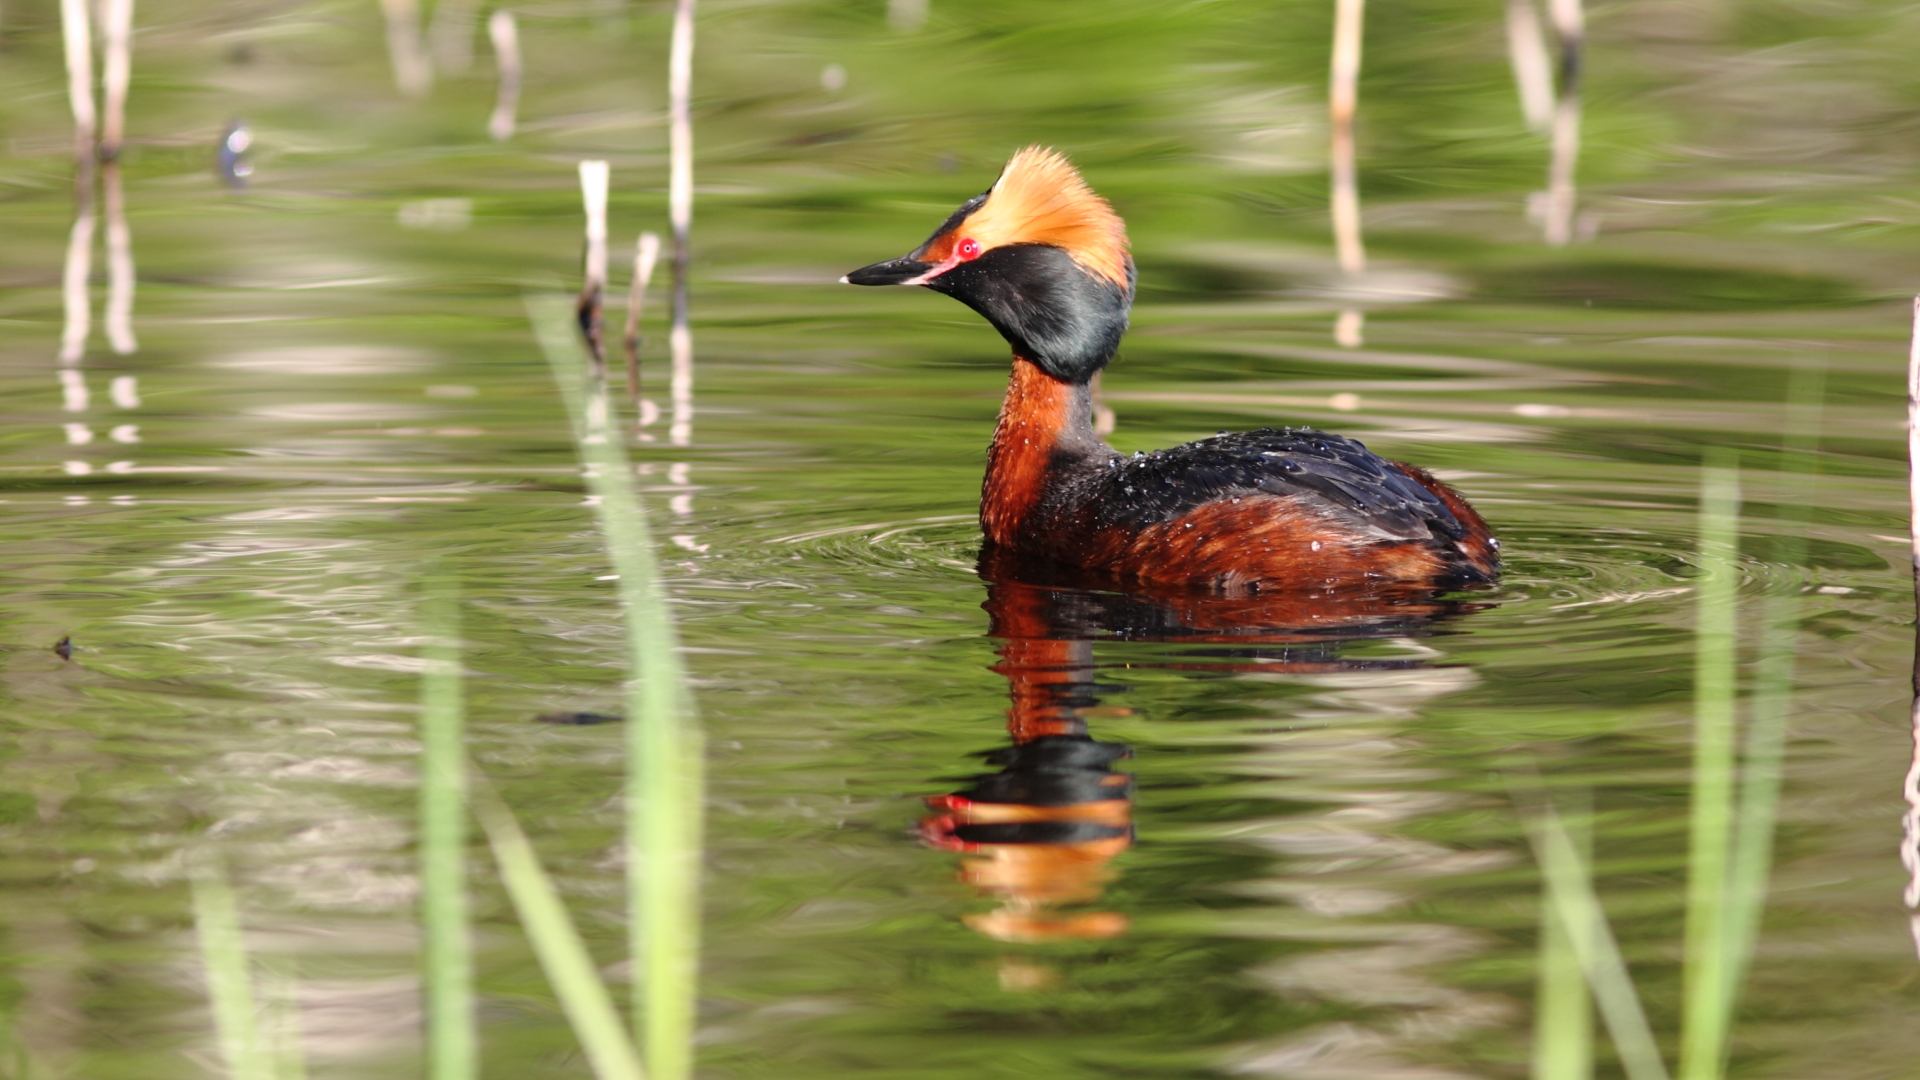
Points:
x=1039, y=836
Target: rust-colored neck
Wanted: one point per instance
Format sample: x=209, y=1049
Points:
x=1044, y=422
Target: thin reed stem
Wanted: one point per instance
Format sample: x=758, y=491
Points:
x=116, y=18
x=1910, y=841
x=593, y=287
x=1532, y=69
x=76, y=31
x=680, y=213
x=1569, y=20
x=1704, y=978
x=1342, y=100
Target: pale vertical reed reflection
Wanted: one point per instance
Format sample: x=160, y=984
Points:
x=646, y=253
x=680, y=212
x=76, y=303
x=116, y=18
x=412, y=71
x=907, y=15
x=1342, y=99
x=1563, y=1007
x=1532, y=67
x=504, y=32
x=593, y=286
x=1569, y=20
x=120, y=277
x=1910, y=842
x=230, y=992
x=450, y=36
x=1570, y=893
x=76, y=31
x=665, y=759
x=447, y=956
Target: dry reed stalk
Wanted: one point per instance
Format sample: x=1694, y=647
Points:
x=1532, y=67
x=593, y=287
x=1343, y=97
x=645, y=254
x=76, y=30
x=116, y=17
x=1569, y=21
x=1910, y=845
x=504, y=32
x=680, y=212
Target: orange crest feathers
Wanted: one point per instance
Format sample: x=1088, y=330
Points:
x=1040, y=199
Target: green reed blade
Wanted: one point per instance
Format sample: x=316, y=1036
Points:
x=229, y=985
x=1563, y=1007
x=452, y=1040
x=1570, y=892
x=1773, y=689
x=556, y=942
x=664, y=758
x=1705, y=1016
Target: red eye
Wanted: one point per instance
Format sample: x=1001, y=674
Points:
x=968, y=250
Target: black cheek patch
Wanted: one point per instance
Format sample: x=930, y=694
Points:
x=1052, y=310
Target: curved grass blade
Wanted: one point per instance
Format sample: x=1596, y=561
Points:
x=664, y=756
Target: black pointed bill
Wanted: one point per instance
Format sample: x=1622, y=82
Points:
x=905, y=270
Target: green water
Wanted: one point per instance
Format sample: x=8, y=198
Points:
x=336, y=396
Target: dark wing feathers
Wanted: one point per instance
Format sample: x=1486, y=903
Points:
x=1352, y=481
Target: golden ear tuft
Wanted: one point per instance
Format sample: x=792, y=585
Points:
x=1041, y=199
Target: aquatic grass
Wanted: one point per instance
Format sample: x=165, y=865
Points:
x=1563, y=1010
x=447, y=955
x=563, y=956
x=664, y=755
x=230, y=990
x=1704, y=977
x=1570, y=893
x=1752, y=858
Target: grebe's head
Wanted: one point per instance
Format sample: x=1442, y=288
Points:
x=1040, y=255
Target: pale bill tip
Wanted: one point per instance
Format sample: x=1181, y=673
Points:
x=844, y=281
